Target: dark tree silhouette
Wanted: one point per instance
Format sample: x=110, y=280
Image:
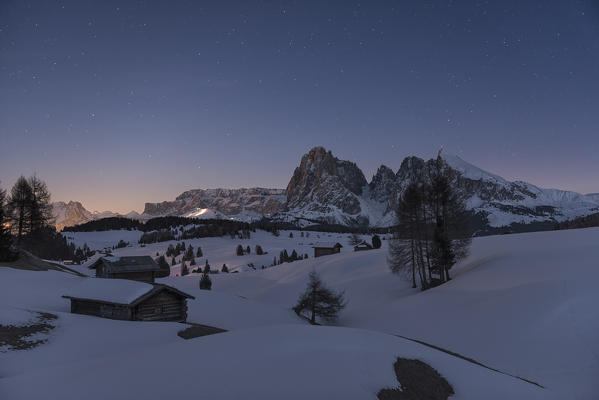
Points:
x=318, y=300
x=165, y=269
x=40, y=209
x=376, y=242
x=205, y=281
x=184, y=269
x=5, y=238
x=19, y=206
x=239, y=250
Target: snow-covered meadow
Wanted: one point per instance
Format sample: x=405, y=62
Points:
x=523, y=304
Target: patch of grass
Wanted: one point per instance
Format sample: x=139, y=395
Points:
x=15, y=337
x=418, y=381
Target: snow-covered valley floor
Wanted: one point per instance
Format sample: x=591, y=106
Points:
x=523, y=304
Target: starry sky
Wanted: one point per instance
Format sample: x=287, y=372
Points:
x=116, y=103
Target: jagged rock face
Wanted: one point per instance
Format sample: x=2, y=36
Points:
x=226, y=201
x=326, y=189
x=383, y=183
x=69, y=214
x=410, y=169
x=323, y=181
x=73, y=213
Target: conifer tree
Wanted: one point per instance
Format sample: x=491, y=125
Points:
x=205, y=281
x=376, y=242
x=19, y=206
x=319, y=300
x=5, y=239
x=184, y=269
x=199, y=253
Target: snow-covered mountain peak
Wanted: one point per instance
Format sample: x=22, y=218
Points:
x=468, y=170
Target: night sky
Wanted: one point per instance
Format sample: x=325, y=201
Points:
x=117, y=103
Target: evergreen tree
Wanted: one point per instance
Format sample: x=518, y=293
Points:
x=199, y=253
x=207, y=267
x=40, y=209
x=319, y=300
x=19, y=207
x=248, y=250
x=192, y=261
x=293, y=255
x=165, y=269
x=224, y=268
x=259, y=250
x=188, y=256
x=173, y=261
x=290, y=235
x=184, y=269
x=205, y=281
x=5, y=239
x=376, y=242
x=239, y=250
x=170, y=251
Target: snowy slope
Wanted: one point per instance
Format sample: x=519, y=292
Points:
x=525, y=304
x=278, y=362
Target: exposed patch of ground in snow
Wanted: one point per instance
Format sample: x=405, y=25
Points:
x=24, y=336
x=417, y=380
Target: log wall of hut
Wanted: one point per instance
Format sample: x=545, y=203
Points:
x=164, y=306
x=325, y=251
x=106, y=310
x=143, y=276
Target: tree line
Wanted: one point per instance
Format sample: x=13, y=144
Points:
x=26, y=222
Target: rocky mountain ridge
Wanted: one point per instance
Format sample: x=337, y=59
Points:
x=325, y=189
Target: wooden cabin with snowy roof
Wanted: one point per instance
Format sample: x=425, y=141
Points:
x=137, y=268
x=326, y=248
x=128, y=300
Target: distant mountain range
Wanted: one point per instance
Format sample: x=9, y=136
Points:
x=73, y=213
x=324, y=189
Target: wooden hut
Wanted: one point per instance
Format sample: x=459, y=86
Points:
x=128, y=300
x=137, y=268
x=325, y=249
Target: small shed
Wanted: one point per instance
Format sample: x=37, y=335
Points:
x=128, y=300
x=363, y=245
x=137, y=268
x=326, y=248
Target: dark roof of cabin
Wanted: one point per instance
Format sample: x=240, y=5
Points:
x=127, y=264
x=137, y=292
x=326, y=245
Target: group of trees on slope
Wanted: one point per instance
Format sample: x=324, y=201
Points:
x=26, y=223
x=432, y=231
